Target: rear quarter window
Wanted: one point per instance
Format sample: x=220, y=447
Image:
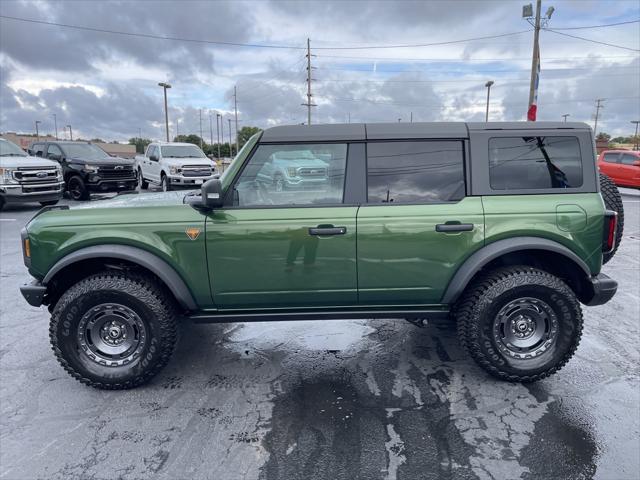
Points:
x=535, y=163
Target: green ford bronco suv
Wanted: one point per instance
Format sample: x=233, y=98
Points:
x=501, y=226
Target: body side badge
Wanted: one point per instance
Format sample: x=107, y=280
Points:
x=192, y=232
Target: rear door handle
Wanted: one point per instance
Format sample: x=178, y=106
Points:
x=454, y=227
x=327, y=231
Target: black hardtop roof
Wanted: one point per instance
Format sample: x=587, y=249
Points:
x=400, y=130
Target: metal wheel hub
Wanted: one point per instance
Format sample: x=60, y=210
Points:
x=525, y=328
x=111, y=334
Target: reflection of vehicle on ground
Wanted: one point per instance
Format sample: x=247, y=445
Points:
x=294, y=170
x=173, y=165
x=26, y=179
x=622, y=166
x=499, y=226
x=87, y=168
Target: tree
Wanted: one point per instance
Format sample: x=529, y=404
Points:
x=140, y=143
x=246, y=133
x=191, y=138
x=603, y=137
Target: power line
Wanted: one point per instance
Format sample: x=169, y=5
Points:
x=478, y=72
x=148, y=35
x=501, y=59
x=433, y=44
x=598, y=26
x=591, y=40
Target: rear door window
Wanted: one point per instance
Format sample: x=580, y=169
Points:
x=415, y=171
x=534, y=163
x=629, y=159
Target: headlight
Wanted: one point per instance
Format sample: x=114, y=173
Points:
x=174, y=170
x=292, y=171
x=58, y=173
x=90, y=168
x=6, y=176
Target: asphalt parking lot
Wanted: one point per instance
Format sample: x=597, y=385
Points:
x=324, y=400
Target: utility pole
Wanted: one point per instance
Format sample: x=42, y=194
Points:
x=222, y=130
x=139, y=132
x=565, y=117
x=55, y=123
x=535, y=65
x=488, y=85
x=349, y=117
x=309, y=104
x=411, y=117
x=230, y=149
x=177, y=127
x=636, y=134
x=165, y=85
x=218, y=131
x=598, y=107
x=200, y=129
x=37, y=131
x=235, y=107
x=70, y=133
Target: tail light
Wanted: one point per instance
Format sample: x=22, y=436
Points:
x=609, y=234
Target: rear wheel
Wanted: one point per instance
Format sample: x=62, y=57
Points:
x=142, y=182
x=77, y=189
x=519, y=323
x=613, y=201
x=113, y=330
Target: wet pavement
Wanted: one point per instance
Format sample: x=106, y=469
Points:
x=324, y=400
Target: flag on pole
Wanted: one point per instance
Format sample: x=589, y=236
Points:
x=533, y=108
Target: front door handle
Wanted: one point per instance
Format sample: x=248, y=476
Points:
x=322, y=231
x=454, y=227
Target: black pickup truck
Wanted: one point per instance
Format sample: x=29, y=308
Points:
x=87, y=168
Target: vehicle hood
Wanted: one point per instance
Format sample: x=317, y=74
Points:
x=132, y=200
x=13, y=162
x=103, y=161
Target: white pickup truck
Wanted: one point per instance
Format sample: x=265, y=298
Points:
x=173, y=165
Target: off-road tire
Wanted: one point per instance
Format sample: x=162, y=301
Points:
x=49, y=203
x=80, y=191
x=479, y=305
x=141, y=294
x=143, y=183
x=613, y=201
x=165, y=184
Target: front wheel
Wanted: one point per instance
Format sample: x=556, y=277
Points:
x=77, y=189
x=165, y=183
x=519, y=323
x=143, y=183
x=113, y=330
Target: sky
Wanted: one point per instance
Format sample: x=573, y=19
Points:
x=370, y=63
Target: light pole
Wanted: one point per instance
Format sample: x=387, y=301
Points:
x=488, y=85
x=230, y=149
x=211, y=130
x=565, y=117
x=222, y=130
x=218, y=132
x=70, y=133
x=38, y=122
x=164, y=86
x=55, y=123
x=636, y=134
x=201, y=129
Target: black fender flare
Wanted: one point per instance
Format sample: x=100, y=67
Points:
x=144, y=258
x=486, y=254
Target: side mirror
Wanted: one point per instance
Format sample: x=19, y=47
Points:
x=153, y=158
x=210, y=196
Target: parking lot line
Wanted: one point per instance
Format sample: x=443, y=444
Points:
x=7, y=219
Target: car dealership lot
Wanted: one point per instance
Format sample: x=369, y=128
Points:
x=324, y=399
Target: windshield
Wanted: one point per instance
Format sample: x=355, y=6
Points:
x=9, y=149
x=182, y=151
x=85, y=151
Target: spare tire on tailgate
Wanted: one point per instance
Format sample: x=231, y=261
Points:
x=613, y=201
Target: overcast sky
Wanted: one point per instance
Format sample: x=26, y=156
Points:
x=105, y=85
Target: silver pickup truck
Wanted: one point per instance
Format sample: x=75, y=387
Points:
x=26, y=179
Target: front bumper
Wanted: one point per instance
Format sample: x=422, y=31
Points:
x=604, y=288
x=32, y=192
x=34, y=293
x=112, y=185
x=191, y=182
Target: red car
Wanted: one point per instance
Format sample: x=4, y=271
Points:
x=623, y=166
